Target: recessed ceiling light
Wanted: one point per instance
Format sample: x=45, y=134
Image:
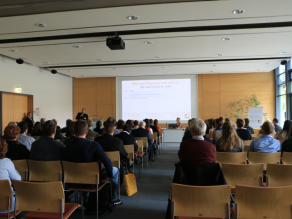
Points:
x=46, y=62
x=148, y=42
x=240, y=11
x=115, y=68
x=70, y=70
x=77, y=47
x=133, y=17
x=41, y=25
x=164, y=67
x=219, y=55
x=258, y=69
x=215, y=65
x=157, y=57
x=267, y=63
x=99, y=60
x=226, y=39
x=82, y=75
x=166, y=72
x=211, y=71
x=13, y=50
x=122, y=74
x=283, y=52
x=153, y=50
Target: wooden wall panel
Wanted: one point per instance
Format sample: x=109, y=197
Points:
x=200, y=96
x=7, y=109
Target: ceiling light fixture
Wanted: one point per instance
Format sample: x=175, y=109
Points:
x=41, y=25
x=258, y=69
x=148, y=42
x=99, y=60
x=240, y=11
x=211, y=71
x=13, y=50
x=166, y=72
x=226, y=39
x=215, y=65
x=164, y=67
x=54, y=71
x=219, y=55
x=283, y=52
x=46, y=62
x=157, y=57
x=133, y=17
x=122, y=74
x=19, y=61
x=70, y=70
x=115, y=68
x=77, y=47
x=267, y=63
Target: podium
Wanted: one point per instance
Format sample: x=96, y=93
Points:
x=173, y=135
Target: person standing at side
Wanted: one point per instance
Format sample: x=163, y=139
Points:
x=29, y=121
x=82, y=115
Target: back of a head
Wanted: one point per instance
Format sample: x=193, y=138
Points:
x=142, y=124
x=71, y=128
x=148, y=124
x=155, y=122
x=268, y=127
x=55, y=121
x=211, y=122
x=12, y=123
x=120, y=124
x=37, y=126
x=3, y=148
x=240, y=123
x=219, y=121
x=287, y=125
x=136, y=123
x=49, y=128
x=80, y=127
x=127, y=128
x=23, y=126
x=109, y=127
x=227, y=120
x=246, y=120
x=129, y=122
x=68, y=122
x=229, y=138
x=90, y=123
x=111, y=119
x=199, y=127
x=98, y=124
x=276, y=120
x=151, y=121
x=11, y=132
x=43, y=120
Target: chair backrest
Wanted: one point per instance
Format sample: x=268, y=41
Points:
x=279, y=175
x=154, y=135
x=287, y=157
x=257, y=157
x=243, y=174
x=39, y=197
x=81, y=173
x=196, y=201
x=254, y=136
x=263, y=202
x=5, y=195
x=130, y=150
x=144, y=139
x=140, y=145
x=22, y=168
x=246, y=148
x=115, y=158
x=45, y=171
x=247, y=142
x=227, y=157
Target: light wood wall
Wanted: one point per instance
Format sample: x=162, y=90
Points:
x=97, y=95
x=215, y=91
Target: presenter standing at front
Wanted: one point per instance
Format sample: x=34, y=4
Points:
x=178, y=124
x=82, y=115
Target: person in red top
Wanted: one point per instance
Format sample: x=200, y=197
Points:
x=156, y=124
x=197, y=150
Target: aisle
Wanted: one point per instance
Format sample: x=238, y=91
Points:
x=153, y=190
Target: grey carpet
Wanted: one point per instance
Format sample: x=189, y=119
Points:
x=153, y=189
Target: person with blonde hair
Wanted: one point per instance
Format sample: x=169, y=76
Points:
x=229, y=142
x=178, y=124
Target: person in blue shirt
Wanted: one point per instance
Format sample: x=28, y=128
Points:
x=265, y=143
x=243, y=133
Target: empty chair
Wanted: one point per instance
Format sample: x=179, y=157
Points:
x=131, y=153
x=200, y=201
x=22, y=168
x=263, y=202
x=227, y=157
x=279, y=175
x=6, y=199
x=114, y=156
x=140, y=154
x=257, y=157
x=243, y=174
x=287, y=158
x=45, y=171
x=42, y=200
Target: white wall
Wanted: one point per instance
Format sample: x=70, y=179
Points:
x=52, y=94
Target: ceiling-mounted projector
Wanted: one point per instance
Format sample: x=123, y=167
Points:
x=115, y=42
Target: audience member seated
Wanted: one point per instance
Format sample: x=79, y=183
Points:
x=91, y=135
x=147, y=127
x=265, y=143
x=71, y=128
x=189, y=123
x=98, y=127
x=58, y=134
x=287, y=144
x=229, y=142
x=117, y=131
x=156, y=124
x=136, y=125
x=127, y=138
x=284, y=133
x=16, y=151
x=217, y=133
x=178, y=124
x=130, y=123
x=37, y=129
x=243, y=133
x=196, y=150
x=47, y=148
x=211, y=126
x=23, y=138
x=228, y=120
x=12, y=123
x=29, y=121
x=142, y=132
x=66, y=129
x=153, y=127
x=43, y=120
x=81, y=150
x=120, y=124
x=188, y=134
x=8, y=171
x=246, y=120
x=277, y=127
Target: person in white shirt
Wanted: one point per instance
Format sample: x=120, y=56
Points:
x=23, y=138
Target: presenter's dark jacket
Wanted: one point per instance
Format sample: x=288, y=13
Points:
x=111, y=143
x=30, y=124
x=81, y=150
x=127, y=139
x=84, y=117
x=197, y=151
x=140, y=132
x=17, y=151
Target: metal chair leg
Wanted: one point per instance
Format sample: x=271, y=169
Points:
x=82, y=205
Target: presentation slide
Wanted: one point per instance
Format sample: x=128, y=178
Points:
x=164, y=99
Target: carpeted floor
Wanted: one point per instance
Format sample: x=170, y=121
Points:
x=153, y=190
